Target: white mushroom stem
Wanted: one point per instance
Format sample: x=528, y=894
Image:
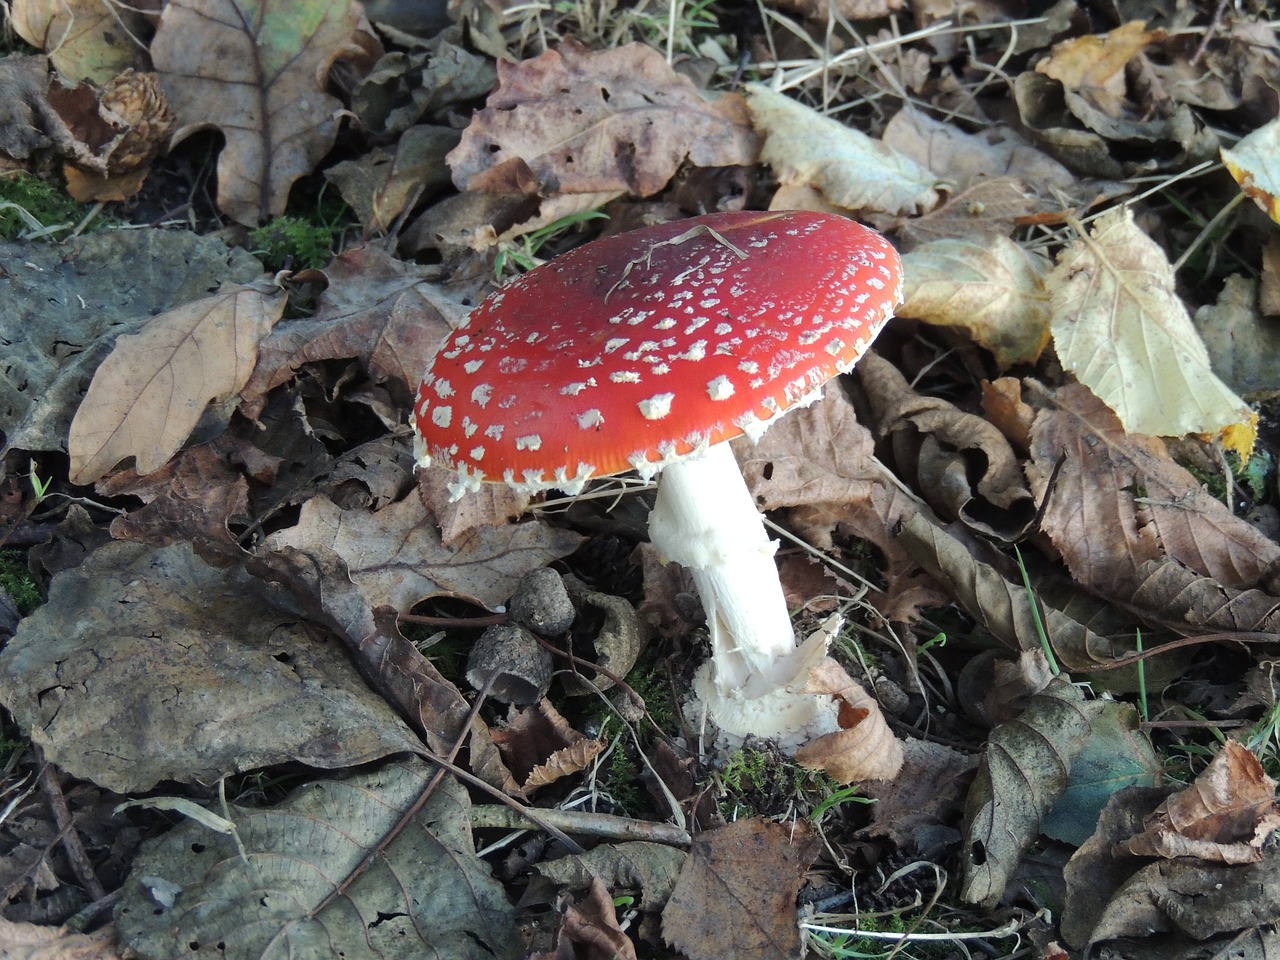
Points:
x=705, y=519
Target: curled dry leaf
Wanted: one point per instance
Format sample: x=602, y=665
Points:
x=539, y=746
x=865, y=748
x=1169, y=593
x=736, y=896
x=848, y=168
x=592, y=925
x=993, y=290
x=607, y=122
x=258, y=74
x=1225, y=816
x=1023, y=772
x=1121, y=329
x=1128, y=485
x=153, y=387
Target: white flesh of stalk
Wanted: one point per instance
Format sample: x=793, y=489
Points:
x=705, y=519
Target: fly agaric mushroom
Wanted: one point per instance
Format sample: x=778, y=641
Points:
x=645, y=351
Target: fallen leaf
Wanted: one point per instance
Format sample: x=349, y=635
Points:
x=257, y=72
x=993, y=290
x=1252, y=162
x=736, y=896
x=396, y=558
x=864, y=748
x=1169, y=593
x=1225, y=816
x=1129, y=486
x=1244, y=348
x=1092, y=68
x=651, y=868
x=1023, y=772
x=820, y=10
x=593, y=926
x=927, y=794
x=847, y=167
x=609, y=122
x=59, y=323
x=33, y=941
x=1121, y=329
x=85, y=39
x=151, y=390
x=295, y=875
x=540, y=746
x=147, y=665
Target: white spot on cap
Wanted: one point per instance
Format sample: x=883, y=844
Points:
x=531, y=442
x=616, y=344
x=480, y=395
x=749, y=366
x=697, y=350
x=590, y=418
x=469, y=427
x=477, y=453
x=721, y=388
x=494, y=431
x=443, y=389
x=471, y=366
x=442, y=417
x=657, y=406
x=834, y=347
x=573, y=389
x=625, y=376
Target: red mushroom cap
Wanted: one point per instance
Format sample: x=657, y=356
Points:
x=639, y=349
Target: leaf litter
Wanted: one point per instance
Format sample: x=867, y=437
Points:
x=253, y=594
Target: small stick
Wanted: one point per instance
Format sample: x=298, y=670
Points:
x=603, y=825
x=76, y=854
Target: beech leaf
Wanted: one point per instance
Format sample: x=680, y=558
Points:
x=153, y=387
x=1121, y=329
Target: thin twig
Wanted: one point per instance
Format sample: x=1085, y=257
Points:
x=76, y=853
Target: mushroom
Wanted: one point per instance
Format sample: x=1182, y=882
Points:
x=646, y=351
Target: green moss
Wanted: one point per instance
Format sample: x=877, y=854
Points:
x=294, y=243
x=35, y=208
x=766, y=783
x=17, y=581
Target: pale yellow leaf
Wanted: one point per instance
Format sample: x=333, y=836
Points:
x=86, y=39
x=850, y=169
x=1121, y=329
x=993, y=290
x=1255, y=163
x=149, y=393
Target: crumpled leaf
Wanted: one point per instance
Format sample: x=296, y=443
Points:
x=1253, y=163
x=151, y=390
x=1121, y=329
x=1091, y=69
x=591, y=926
x=256, y=71
x=651, y=868
x=384, y=183
x=927, y=793
x=1169, y=593
x=58, y=324
x=85, y=39
x=609, y=122
x=1225, y=816
x=147, y=665
x=1023, y=772
x=425, y=894
x=377, y=309
x=396, y=558
x=736, y=896
x=540, y=746
x=1129, y=486
x=848, y=168
x=864, y=748
x=993, y=289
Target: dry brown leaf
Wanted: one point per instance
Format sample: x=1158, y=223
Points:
x=608, y=122
x=846, y=9
x=1093, y=67
x=1128, y=486
x=1120, y=327
x=960, y=462
x=396, y=558
x=736, y=896
x=864, y=748
x=539, y=746
x=85, y=39
x=988, y=209
x=993, y=289
x=848, y=168
x=258, y=75
x=1167, y=592
x=377, y=309
x=1243, y=346
x=927, y=793
x=32, y=941
x=153, y=387
x=593, y=926
x=1225, y=816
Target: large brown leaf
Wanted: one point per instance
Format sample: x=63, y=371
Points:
x=151, y=391
x=1128, y=486
x=603, y=122
x=256, y=71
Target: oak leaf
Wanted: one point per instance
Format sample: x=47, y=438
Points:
x=153, y=387
x=256, y=71
x=607, y=122
x=1121, y=329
